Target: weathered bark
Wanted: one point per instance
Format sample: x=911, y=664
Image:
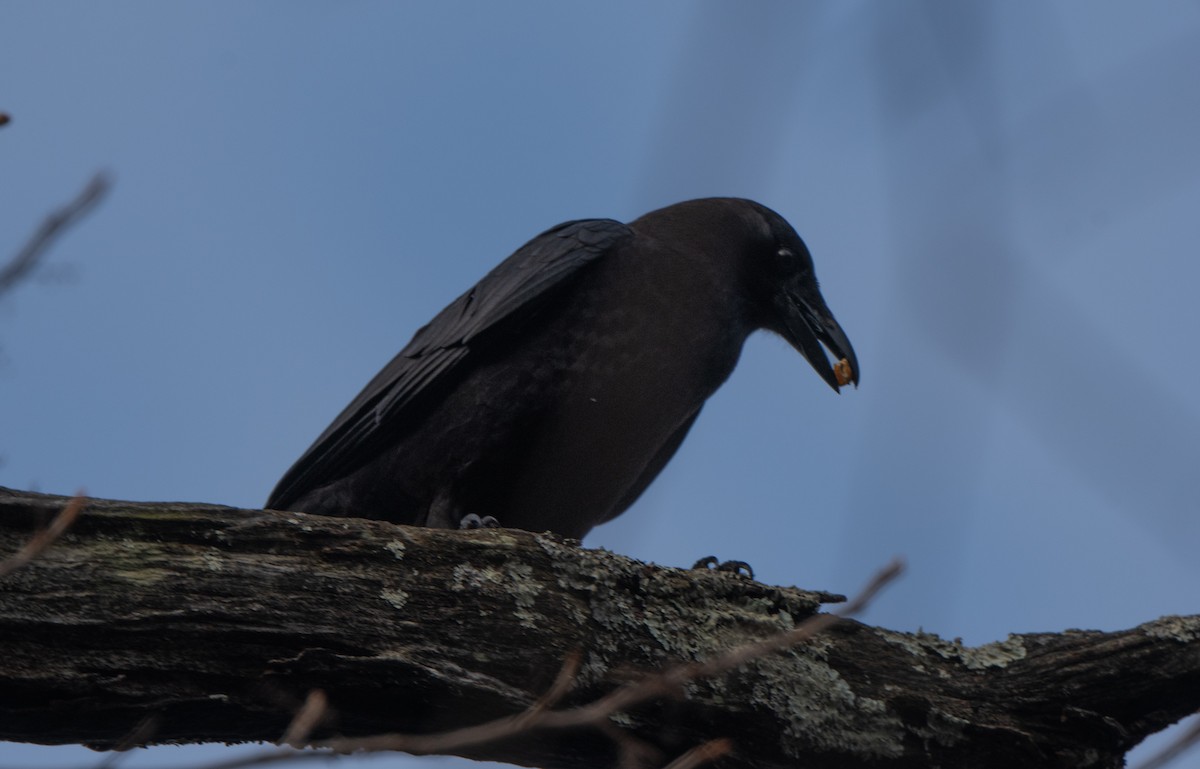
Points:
x=217, y=621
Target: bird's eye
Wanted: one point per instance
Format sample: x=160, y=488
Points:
x=793, y=262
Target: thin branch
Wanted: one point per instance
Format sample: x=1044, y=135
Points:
x=703, y=754
x=632, y=752
x=562, y=682
x=270, y=756
x=54, y=225
x=311, y=713
x=139, y=735
x=46, y=537
x=1186, y=740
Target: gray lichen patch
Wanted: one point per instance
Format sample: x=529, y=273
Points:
x=396, y=548
x=717, y=613
x=821, y=710
x=131, y=561
x=301, y=523
x=213, y=559
x=593, y=574
x=145, y=576
x=943, y=728
x=688, y=614
x=524, y=591
x=394, y=596
x=515, y=580
x=1181, y=629
x=468, y=577
x=997, y=654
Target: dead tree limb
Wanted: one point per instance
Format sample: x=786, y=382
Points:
x=217, y=623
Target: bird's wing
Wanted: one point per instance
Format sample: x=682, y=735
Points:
x=654, y=467
x=427, y=368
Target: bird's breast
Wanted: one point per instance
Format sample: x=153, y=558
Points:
x=636, y=359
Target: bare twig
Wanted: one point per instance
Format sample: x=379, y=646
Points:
x=1186, y=740
x=306, y=719
x=138, y=735
x=632, y=752
x=271, y=756
x=703, y=754
x=562, y=684
x=5, y=119
x=44, y=538
x=54, y=225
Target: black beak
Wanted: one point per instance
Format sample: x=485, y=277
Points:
x=809, y=326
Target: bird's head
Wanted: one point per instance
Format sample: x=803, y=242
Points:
x=755, y=254
x=789, y=300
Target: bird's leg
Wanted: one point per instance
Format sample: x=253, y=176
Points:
x=444, y=514
x=473, y=521
x=736, y=567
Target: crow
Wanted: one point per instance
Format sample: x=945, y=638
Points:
x=552, y=393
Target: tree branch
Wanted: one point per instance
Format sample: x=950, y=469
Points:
x=23, y=263
x=219, y=622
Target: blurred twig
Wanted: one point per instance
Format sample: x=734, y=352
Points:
x=1186, y=740
x=44, y=538
x=138, y=735
x=702, y=754
x=21, y=265
x=311, y=713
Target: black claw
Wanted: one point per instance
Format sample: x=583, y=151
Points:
x=473, y=521
x=735, y=567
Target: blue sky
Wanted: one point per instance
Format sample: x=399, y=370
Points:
x=1001, y=200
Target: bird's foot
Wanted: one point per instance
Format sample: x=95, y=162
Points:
x=736, y=567
x=473, y=521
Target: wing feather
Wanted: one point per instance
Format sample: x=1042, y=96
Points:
x=440, y=352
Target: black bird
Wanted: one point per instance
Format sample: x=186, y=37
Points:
x=552, y=393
